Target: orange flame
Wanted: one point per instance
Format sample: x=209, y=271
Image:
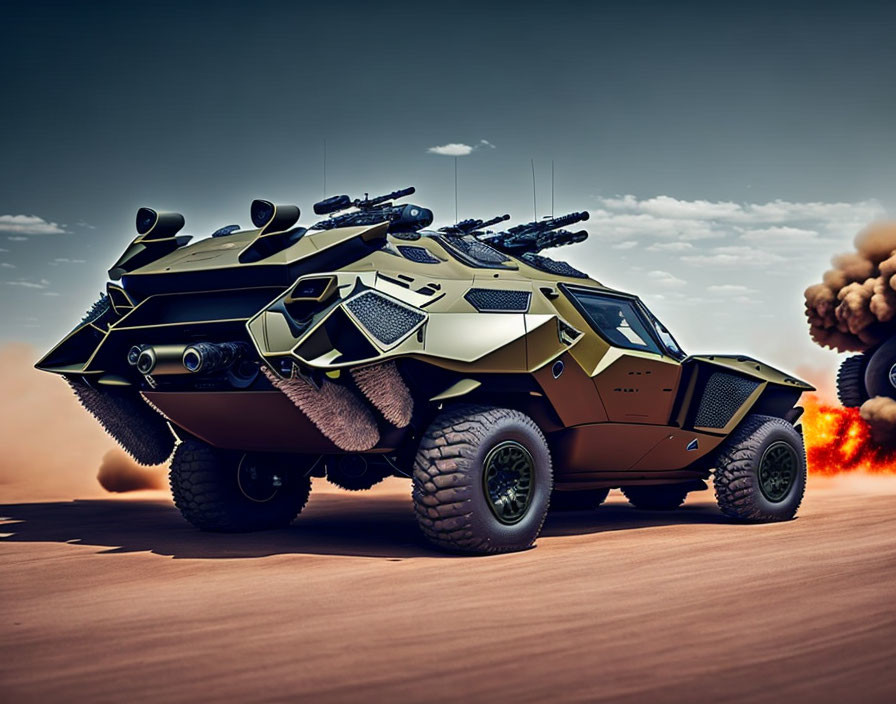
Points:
x=838, y=441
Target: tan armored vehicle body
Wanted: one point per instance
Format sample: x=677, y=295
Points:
x=502, y=382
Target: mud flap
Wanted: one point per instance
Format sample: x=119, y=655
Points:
x=336, y=411
x=140, y=430
x=383, y=386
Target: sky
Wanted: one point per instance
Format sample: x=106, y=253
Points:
x=724, y=150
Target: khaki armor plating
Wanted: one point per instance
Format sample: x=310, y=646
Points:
x=352, y=339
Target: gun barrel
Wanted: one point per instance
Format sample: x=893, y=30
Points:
x=565, y=220
x=493, y=221
x=401, y=193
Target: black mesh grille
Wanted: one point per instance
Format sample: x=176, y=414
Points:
x=386, y=320
x=498, y=300
x=475, y=252
x=420, y=255
x=723, y=395
x=552, y=266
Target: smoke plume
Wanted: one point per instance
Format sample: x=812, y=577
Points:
x=854, y=306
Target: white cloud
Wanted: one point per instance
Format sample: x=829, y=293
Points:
x=7, y=265
x=460, y=149
x=25, y=283
x=27, y=225
x=51, y=293
x=17, y=238
x=664, y=278
x=66, y=260
x=628, y=244
x=452, y=150
x=670, y=247
x=780, y=233
x=729, y=289
x=778, y=211
x=734, y=256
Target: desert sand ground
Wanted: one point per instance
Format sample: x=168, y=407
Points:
x=117, y=599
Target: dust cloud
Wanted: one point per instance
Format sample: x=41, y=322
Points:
x=51, y=446
x=118, y=473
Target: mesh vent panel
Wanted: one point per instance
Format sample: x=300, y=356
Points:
x=498, y=300
x=552, y=266
x=478, y=252
x=723, y=395
x=417, y=254
x=386, y=320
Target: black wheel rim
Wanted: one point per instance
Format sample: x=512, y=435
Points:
x=507, y=479
x=777, y=471
x=259, y=480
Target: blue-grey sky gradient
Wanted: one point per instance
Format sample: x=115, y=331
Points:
x=201, y=107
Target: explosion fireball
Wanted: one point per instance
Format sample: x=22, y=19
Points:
x=839, y=440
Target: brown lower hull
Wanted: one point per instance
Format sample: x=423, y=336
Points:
x=258, y=421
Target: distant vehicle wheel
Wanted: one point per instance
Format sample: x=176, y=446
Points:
x=482, y=480
x=880, y=372
x=236, y=492
x=760, y=471
x=851, y=381
x=586, y=500
x=662, y=497
x=354, y=472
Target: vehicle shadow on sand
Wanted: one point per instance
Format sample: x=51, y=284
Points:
x=350, y=525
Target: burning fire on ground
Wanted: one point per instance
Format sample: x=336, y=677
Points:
x=838, y=440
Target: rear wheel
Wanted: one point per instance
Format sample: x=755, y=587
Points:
x=663, y=497
x=760, y=471
x=234, y=492
x=482, y=480
x=586, y=500
x=851, y=381
x=880, y=371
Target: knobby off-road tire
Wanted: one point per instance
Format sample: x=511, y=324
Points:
x=482, y=480
x=216, y=490
x=877, y=371
x=760, y=471
x=656, y=498
x=587, y=500
x=851, y=381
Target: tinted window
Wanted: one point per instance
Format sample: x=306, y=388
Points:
x=617, y=320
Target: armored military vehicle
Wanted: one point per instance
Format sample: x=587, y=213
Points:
x=502, y=382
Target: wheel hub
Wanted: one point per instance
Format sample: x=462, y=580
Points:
x=259, y=480
x=892, y=376
x=507, y=480
x=777, y=471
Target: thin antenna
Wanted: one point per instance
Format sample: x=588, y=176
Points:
x=552, y=188
x=455, y=189
x=534, y=202
x=325, y=168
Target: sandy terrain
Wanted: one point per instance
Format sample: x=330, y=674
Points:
x=119, y=599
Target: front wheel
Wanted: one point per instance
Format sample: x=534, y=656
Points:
x=237, y=492
x=760, y=471
x=482, y=480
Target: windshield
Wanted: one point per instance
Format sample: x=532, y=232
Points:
x=666, y=338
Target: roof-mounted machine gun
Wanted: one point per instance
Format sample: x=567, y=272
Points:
x=536, y=236
x=370, y=211
x=465, y=227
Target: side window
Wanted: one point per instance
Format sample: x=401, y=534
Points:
x=617, y=320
